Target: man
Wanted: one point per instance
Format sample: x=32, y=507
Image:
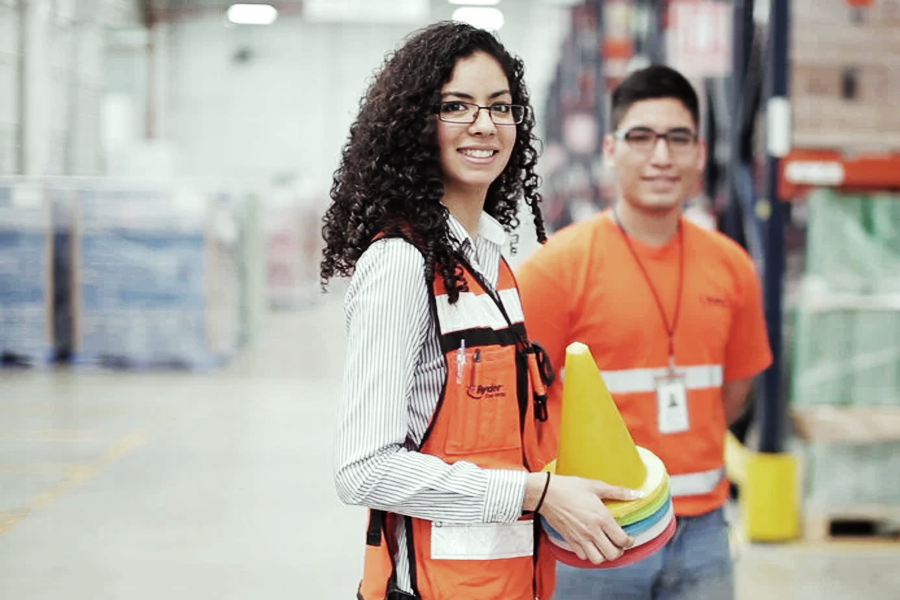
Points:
x=673, y=316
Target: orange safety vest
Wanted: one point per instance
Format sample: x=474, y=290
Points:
x=486, y=416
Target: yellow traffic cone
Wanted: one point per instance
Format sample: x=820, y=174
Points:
x=593, y=440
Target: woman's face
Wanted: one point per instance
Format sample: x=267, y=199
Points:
x=474, y=154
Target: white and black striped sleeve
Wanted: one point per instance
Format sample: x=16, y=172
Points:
x=387, y=398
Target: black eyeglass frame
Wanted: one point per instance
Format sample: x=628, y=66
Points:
x=522, y=110
x=693, y=136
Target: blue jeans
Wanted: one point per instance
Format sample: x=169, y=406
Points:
x=694, y=565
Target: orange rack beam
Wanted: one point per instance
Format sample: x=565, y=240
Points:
x=802, y=170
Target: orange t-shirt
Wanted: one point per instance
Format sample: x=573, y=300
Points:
x=585, y=285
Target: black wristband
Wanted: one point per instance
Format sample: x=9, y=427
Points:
x=543, y=494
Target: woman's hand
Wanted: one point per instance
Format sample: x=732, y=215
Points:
x=574, y=507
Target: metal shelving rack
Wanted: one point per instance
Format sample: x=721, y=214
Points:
x=759, y=181
x=789, y=173
x=757, y=214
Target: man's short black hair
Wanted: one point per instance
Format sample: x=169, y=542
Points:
x=651, y=83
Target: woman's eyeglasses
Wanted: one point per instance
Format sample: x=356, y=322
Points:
x=467, y=113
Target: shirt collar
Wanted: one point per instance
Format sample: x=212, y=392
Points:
x=489, y=228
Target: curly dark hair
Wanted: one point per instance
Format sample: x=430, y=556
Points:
x=389, y=179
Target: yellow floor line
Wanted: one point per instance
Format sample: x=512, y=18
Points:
x=76, y=475
x=47, y=468
x=53, y=435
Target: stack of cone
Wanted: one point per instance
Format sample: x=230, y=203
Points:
x=595, y=443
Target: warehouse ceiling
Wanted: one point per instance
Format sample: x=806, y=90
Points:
x=371, y=11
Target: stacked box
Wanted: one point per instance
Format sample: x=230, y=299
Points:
x=62, y=201
x=851, y=474
x=853, y=242
x=252, y=268
x=155, y=276
x=846, y=345
x=26, y=274
x=846, y=356
x=845, y=73
x=847, y=321
x=820, y=352
x=293, y=248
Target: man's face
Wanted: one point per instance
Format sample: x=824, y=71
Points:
x=654, y=174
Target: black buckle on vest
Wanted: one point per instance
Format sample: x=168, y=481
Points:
x=394, y=593
x=540, y=408
x=548, y=375
x=377, y=520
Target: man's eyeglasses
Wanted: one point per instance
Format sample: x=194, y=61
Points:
x=467, y=113
x=643, y=139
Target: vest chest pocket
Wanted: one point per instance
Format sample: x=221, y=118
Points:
x=482, y=403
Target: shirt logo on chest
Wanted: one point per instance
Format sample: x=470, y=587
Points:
x=494, y=390
x=714, y=301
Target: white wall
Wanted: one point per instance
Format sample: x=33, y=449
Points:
x=51, y=83
x=9, y=76
x=289, y=106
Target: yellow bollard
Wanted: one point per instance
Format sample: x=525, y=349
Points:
x=769, y=497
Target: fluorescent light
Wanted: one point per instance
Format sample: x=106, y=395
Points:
x=483, y=18
x=475, y=2
x=368, y=12
x=252, y=14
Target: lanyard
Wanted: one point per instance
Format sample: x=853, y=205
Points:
x=487, y=287
x=540, y=371
x=670, y=329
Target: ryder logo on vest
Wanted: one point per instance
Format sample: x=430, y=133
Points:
x=494, y=390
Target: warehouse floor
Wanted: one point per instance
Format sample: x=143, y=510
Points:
x=133, y=486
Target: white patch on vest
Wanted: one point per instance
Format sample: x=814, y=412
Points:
x=481, y=541
x=512, y=304
x=473, y=311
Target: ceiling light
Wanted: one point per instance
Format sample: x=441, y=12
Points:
x=483, y=18
x=368, y=12
x=475, y=2
x=252, y=14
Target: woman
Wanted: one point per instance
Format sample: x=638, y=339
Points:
x=438, y=425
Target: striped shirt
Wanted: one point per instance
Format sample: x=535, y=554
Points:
x=393, y=375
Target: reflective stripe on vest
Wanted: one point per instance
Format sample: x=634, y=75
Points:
x=482, y=541
x=633, y=381
x=695, y=484
x=473, y=311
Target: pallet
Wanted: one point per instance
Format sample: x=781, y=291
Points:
x=858, y=523
x=20, y=360
x=847, y=424
x=171, y=363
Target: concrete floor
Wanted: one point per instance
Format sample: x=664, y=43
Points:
x=133, y=486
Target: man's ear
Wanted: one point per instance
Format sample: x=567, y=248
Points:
x=702, y=154
x=609, y=151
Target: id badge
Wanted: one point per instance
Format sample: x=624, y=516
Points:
x=671, y=395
